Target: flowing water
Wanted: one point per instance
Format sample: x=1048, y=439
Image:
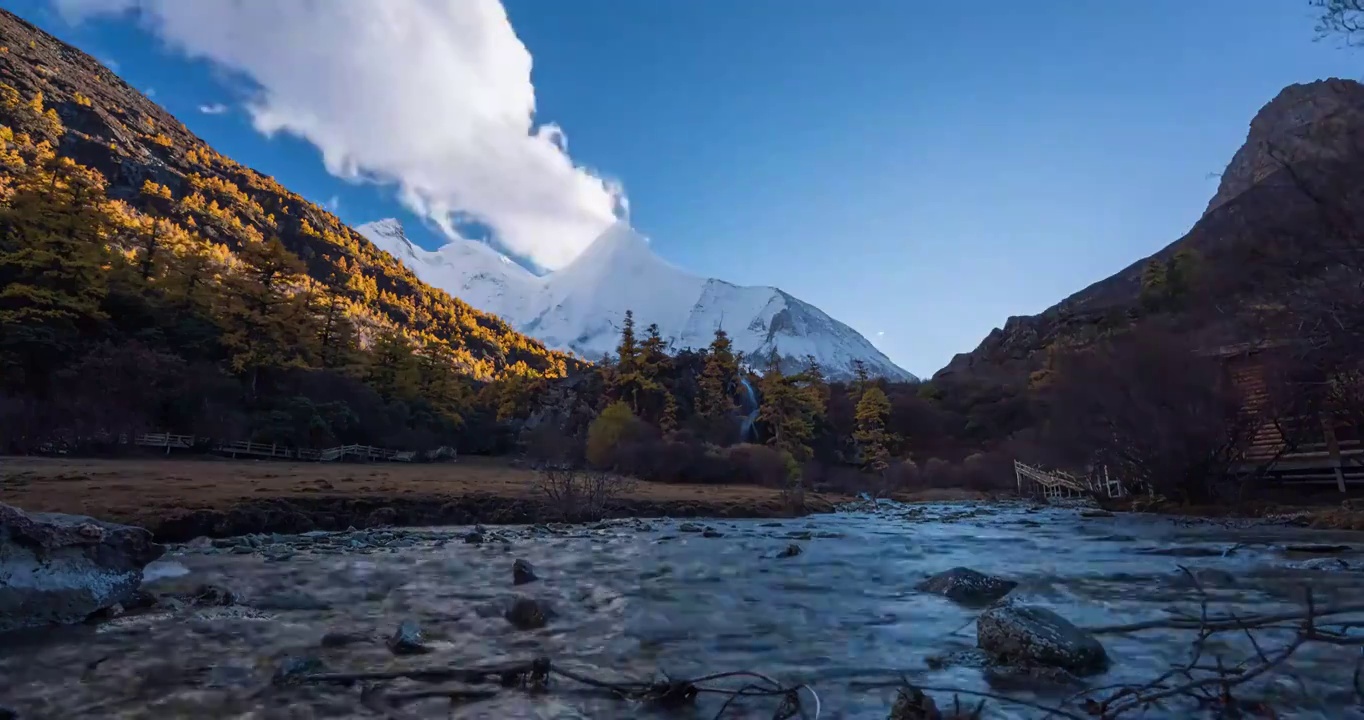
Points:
x=636, y=598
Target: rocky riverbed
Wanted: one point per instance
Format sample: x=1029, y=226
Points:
x=241, y=627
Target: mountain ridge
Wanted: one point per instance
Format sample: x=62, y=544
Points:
x=102, y=122
x=579, y=308
x=1257, y=207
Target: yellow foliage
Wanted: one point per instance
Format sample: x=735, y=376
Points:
x=606, y=432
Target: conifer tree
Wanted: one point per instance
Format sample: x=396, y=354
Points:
x=261, y=317
x=788, y=410
x=391, y=368
x=629, y=379
x=52, y=283
x=861, y=378
x=439, y=383
x=658, y=406
x=873, y=409
x=718, y=378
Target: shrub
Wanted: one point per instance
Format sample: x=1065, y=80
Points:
x=614, y=425
x=576, y=495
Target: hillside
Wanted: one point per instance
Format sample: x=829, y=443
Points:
x=100, y=122
x=150, y=284
x=1239, y=253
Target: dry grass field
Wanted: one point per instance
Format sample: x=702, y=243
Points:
x=148, y=491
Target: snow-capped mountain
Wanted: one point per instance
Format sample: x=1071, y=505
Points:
x=580, y=307
x=471, y=271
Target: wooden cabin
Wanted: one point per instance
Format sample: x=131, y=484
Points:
x=1300, y=449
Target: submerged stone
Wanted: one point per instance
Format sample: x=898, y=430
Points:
x=791, y=550
x=528, y=614
x=407, y=640
x=966, y=586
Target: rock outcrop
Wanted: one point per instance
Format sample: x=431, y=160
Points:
x=1257, y=210
x=1303, y=123
x=59, y=569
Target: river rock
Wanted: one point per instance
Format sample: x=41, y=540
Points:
x=1324, y=564
x=791, y=550
x=1025, y=635
x=407, y=639
x=911, y=703
x=966, y=586
x=1317, y=549
x=523, y=572
x=528, y=614
x=58, y=569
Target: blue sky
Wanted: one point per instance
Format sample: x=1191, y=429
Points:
x=915, y=169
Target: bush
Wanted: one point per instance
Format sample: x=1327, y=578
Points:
x=612, y=428
x=576, y=495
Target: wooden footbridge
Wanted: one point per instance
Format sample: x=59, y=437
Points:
x=1053, y=484
x=244, y=448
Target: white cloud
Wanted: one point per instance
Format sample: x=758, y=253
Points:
x=333, y=204
x=150, y=92
x=433, y=95
x=880, y=333
x=213, y=109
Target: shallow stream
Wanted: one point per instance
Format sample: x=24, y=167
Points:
x=633, y=599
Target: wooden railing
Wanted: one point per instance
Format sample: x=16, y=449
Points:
x=171, y=441
x=1057, y=483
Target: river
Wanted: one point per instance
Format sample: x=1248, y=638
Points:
x=634, y=598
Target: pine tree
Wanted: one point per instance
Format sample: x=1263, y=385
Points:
x=391, y=367
x=718, y=378
x=629, y=379
x=658, y=406
x=261, y=318
x=788, y=410
x=439, y=383
x=861, y=378
x=873, y=409
x=52, y=282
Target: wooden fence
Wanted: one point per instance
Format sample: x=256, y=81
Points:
x=171, y=441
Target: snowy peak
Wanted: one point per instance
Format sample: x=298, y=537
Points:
x=581, y=307
x=470, y=270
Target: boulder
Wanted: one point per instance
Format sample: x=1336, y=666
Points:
x=966, y=586
x=523, y=572
x=59, y=569
x=528, y=614
x=1028, y=636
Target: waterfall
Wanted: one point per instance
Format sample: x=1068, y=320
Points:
x=750, y=410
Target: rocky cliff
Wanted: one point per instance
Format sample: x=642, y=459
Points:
x=1259, y=210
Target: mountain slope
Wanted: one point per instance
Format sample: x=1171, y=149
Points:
x=1259, y=211
x=101, y=122
x=581, y=307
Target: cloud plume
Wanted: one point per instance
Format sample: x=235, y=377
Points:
x=434, y=96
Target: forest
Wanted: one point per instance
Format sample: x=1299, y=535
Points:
x=168, y=311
